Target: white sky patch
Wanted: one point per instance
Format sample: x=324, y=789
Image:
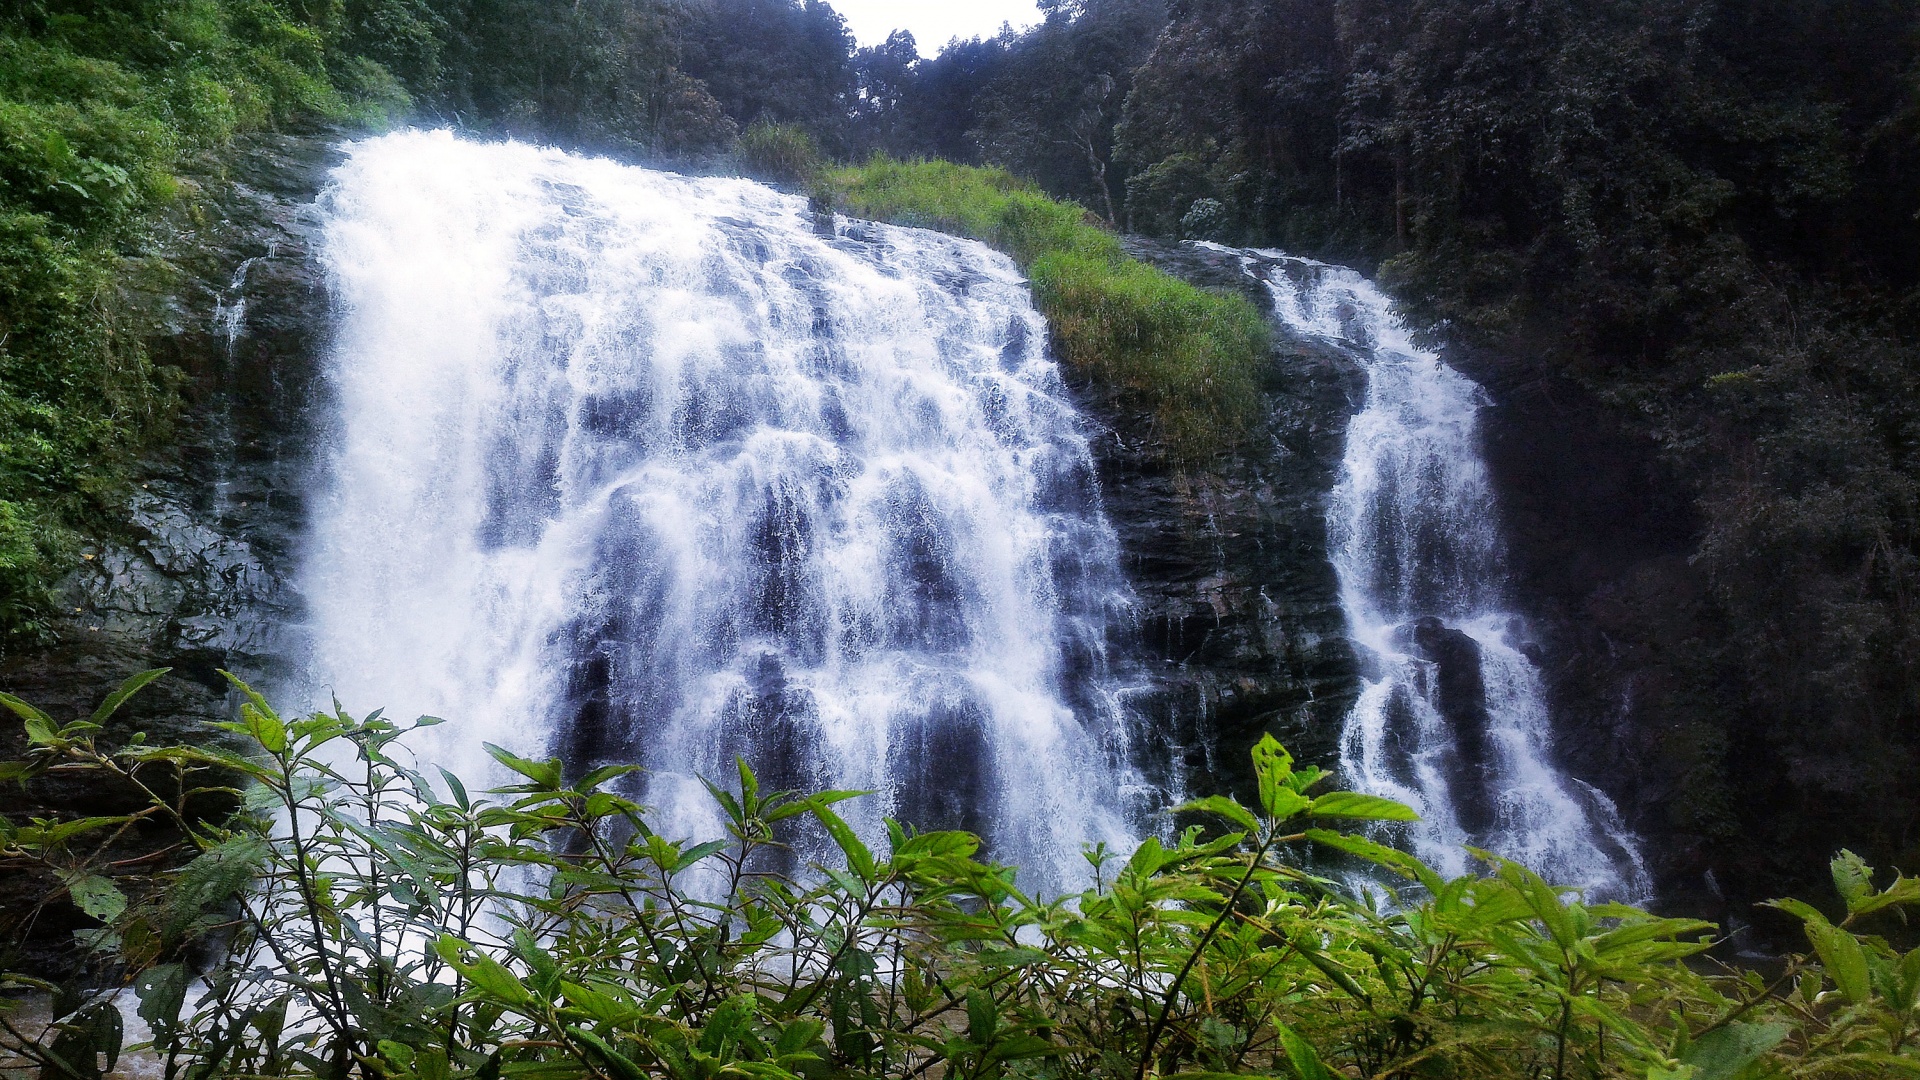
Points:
x=933, y=22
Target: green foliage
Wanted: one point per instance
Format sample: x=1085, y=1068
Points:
x=779, y=153
x=106, y=104
x=100, y=105
x=1190, y=358
x=1048, y=112
x=359, y=917
x=779, y=62
x=603, y=75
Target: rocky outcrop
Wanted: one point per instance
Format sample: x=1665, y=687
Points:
x=1596, y=533
x=1240, y=629
x=1462, y=700
x=196, y=578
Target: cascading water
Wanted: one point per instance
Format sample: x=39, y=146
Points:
x=641, y=467
x=1452, y=715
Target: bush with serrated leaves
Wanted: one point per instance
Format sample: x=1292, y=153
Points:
x=360, y=917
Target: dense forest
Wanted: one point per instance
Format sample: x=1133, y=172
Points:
x=1704, y=213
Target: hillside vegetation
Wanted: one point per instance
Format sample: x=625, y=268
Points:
x=1703, y=213
x=100, y=105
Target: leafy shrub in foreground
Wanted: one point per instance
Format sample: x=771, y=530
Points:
x=358, y=917
x=1190, y=357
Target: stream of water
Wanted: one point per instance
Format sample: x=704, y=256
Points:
x=635, y=466
x=630, y=466
x=1452, y=716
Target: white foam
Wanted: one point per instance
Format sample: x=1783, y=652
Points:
x=613, y=442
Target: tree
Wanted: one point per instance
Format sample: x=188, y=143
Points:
x=775, y=62
x=1049, y=114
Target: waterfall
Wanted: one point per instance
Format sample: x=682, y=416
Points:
x=1452, y=715
x=635, y=466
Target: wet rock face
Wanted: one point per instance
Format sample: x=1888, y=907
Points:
x=1240, y=610
x=1461, y=694
x=196, y=578
x=1240, y=625
x=1598, y=535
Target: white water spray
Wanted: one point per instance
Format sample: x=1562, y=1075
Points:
x=1452, y=716
x=636, y=466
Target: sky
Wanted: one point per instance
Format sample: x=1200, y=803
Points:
x=933, y=22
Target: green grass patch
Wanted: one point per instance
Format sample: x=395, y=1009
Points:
x=1189, y=357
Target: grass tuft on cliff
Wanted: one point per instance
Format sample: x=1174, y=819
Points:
x=1189, y=357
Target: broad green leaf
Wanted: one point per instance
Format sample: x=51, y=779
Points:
x=1148, y=858
x=1014, y=957
x=1844, y=959
x=1723, y=1053
x=1023, y=1047
x=266, y=728
x=53, y=834
x=211, y=878
x=162, y=990
x=1636, y=933
x=98, y=897
x=940, y=844
x=801, y=806
x=545, y=774
x=797, y=1036
x=983, y=1017
x=27, y=712
x=859, y=858
x=545, y=971
x=749, y=783
x=623, y=1067
x=127, y=689
x=1331, y=970
x=601, y=1007
x=1799, y=909
x=1391, y=858
x=458, y=789
x=1303, y=779
x=1542, y=900
x=603, y=774
x=1273, y=767
x=1904, y=890
x=1352, y=804
x=1852, y=877
x=1301, y=1054
x=1226, y=807
x=487, y=975
x=1909, y=981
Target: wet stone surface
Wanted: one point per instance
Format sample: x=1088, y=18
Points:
x=1240, y=626
x=196, y=578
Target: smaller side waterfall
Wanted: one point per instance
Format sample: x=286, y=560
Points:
x=1452, y=716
